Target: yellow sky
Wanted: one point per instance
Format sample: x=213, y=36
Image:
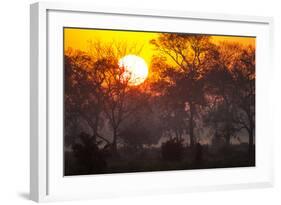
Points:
x=79, y=39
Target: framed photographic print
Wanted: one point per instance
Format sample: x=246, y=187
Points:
x=127, y=102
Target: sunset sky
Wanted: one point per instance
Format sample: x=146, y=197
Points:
x=79, y=39
x=138, y=101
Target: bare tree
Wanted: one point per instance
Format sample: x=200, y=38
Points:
x=120, y=99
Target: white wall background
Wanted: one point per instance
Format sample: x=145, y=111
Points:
x=14, y=101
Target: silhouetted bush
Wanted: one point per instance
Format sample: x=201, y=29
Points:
x=198, y=153
x=172, y=150
x=89, y=157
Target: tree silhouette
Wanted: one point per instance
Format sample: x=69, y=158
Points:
x=244, y=78
x=189, y=60
x=193, y=110
x=96, y=87
x=83, y=99
x=232, y=101
x=221, y=110
x=141, y=129
x=119, y=98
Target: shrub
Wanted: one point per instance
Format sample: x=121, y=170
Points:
x=172, y=150
x=89, y=157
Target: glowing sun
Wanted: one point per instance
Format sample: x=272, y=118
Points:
x=136, y=70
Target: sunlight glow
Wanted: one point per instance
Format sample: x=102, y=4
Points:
x=136, y=70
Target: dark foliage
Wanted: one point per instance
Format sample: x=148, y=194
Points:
x=172, y=150
x=199, y=153
x=89, y=157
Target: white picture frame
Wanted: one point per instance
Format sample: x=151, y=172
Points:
x=47, y=182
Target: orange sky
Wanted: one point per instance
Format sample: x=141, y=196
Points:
x=78, y=39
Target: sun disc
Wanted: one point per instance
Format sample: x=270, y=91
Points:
x=135, y=67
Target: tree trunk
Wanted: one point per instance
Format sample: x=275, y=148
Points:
x=93, y=126
x=227, y=136
x=227, y=140
x=251, y=130
x=191, y=126
x=94, y=129
x=114, y=143
x=251, y=147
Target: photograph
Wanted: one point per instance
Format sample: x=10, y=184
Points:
x=143, y=101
